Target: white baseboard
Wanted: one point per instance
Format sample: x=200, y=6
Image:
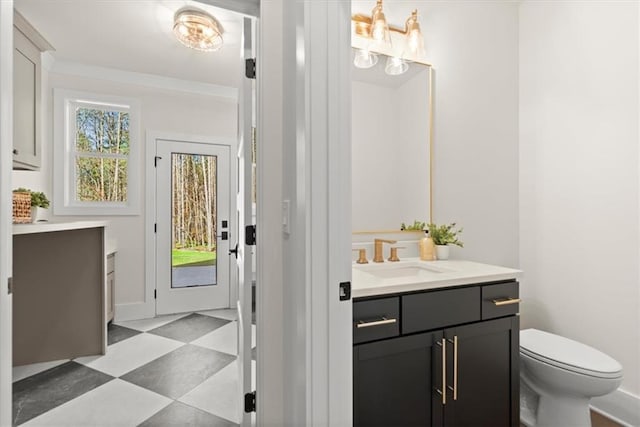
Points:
x=620, y=406
x=134, y=311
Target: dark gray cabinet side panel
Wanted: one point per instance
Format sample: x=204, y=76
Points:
x=58, y=304
x=394, y=381
x=439, y=309
x=485, y=370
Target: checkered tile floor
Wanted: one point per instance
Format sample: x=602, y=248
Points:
x=169, y=371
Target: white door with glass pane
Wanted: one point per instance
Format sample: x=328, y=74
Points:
x=193, y=226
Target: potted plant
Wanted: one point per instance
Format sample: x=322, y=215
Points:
x=443, y=236
x=39, y=205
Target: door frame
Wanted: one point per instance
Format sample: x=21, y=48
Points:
x=6, y=233
x=150, y=209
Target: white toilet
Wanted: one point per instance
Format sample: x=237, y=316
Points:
x=558, y=378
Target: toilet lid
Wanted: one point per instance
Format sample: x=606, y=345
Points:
x=568, y=354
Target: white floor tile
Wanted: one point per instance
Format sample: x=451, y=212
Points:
x=224, y=313
x=21, y=372
x=131, y=353
x=116, y=403
x=224, y=339
x=218, y=395
x=148, y=324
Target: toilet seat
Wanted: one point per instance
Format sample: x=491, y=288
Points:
x=567, y=354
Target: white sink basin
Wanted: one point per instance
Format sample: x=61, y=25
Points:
x=393, y=271
x=396, y=273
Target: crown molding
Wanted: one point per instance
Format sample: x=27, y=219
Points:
x=139, y=79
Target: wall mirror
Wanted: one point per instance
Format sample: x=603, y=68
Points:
x=392, y=116
x=391, y=147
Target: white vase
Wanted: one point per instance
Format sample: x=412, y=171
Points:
x=39, y=214
x=442, y=251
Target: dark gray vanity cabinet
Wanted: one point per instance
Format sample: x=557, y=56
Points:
x=438, y=358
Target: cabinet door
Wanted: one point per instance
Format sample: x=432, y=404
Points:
x=26, y=103
x=395, y=382
x=483, y=374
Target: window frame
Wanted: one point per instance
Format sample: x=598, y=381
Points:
x=65, y=153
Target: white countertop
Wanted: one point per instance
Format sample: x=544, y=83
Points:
x=49, y=226
x=411, y=274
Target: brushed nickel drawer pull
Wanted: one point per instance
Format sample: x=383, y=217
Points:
x=383, y=321
x=506, y=301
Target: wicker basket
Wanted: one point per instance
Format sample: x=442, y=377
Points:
x=21, y=208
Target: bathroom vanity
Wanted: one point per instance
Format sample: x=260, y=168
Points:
x=435, y=344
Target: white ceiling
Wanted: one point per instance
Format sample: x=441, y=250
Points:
x=135, y=35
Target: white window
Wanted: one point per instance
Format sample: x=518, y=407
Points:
x=96, y=154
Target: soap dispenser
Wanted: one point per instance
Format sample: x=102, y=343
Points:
x=427, y=247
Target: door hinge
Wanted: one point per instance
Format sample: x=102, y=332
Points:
x=250, y=402
x=155, y=161
x=250, y=68
x=10, y=285
x=250, y=235
x=155, y=294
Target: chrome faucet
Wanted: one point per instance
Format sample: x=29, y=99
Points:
x=377, y=249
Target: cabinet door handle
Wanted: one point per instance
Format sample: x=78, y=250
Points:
x=506, y=301
x=15, y=151
x=383, y=321
x=443, y=393
x=455, y=367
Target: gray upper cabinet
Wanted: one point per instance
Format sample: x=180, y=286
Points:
x=27, y=106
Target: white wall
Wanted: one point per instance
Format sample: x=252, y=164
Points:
x=160, y=110
x=579, y=175
x=474, y=50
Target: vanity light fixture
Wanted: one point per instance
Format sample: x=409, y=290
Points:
x=365, y=59
x=373, y=35
x=379, y=30
x=415, y=40
x=396, y=66
x=198, y=30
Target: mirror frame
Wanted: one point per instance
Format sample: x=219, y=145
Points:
x=359, y=41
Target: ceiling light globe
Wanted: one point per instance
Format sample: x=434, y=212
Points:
x=198, y=30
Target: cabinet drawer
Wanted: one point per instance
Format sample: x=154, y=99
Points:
x=438, y=309
x=376, y=319
x=500, y=300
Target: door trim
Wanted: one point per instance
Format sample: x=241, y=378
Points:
x=6, y=230
x=147, y=308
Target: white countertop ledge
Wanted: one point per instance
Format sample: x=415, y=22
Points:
x=49, y=226
x=380, y=279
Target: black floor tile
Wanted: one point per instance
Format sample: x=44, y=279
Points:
x=189, y=328
x=180, y=371
x=42, y=392
x=179, y=414
x=117, y=333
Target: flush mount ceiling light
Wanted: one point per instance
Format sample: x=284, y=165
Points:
x=198, y=30
x=373, y=35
